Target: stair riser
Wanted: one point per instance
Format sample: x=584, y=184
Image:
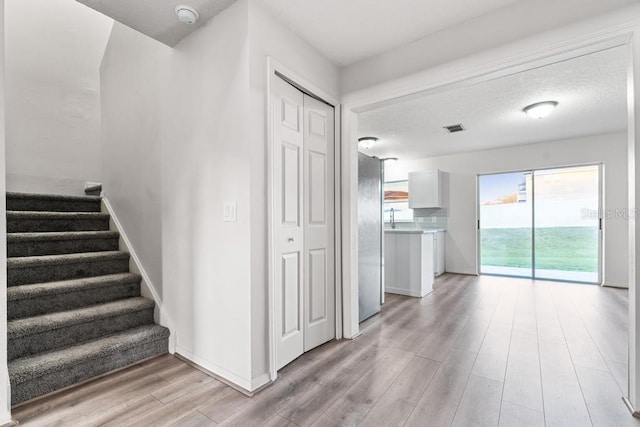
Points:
x=21, y=204
x=34, y=225
x=49, y=340
x=37, y=306
x=59, y=247
x=100, y=365
x=53, y=273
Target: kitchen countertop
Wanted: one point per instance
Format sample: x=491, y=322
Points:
x=413, y=231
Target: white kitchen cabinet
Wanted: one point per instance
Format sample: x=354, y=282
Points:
x=425, y=189
x=438, y=253
x=408, y=260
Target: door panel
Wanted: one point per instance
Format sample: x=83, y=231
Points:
x=505, y=228
x=319, y=286
x=566, y=223
x=291, y=180
x=317, y=188
x=291, y=294
x=288, y=230
x=318, y=310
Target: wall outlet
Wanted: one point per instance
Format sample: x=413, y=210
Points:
x=229, y=214
x=434, y=219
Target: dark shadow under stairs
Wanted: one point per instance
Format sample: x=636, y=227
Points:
x=74, y=309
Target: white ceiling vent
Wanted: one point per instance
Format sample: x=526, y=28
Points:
x=455, y=128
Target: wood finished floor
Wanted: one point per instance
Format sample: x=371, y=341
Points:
x=478, y=351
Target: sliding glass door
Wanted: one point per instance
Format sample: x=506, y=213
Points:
x=542, y=224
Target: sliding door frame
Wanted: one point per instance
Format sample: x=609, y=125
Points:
x=601, y=231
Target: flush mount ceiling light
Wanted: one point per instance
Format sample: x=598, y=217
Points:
x=366, y=142
x=187, y=14
x=389, y=160
x=540, y=109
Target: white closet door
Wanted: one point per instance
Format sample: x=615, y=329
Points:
x=319, y=245
x=288, y=184
x=303, y=192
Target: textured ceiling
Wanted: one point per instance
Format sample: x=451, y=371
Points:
x=348, y=31
x=157, y=18
x=591, y=91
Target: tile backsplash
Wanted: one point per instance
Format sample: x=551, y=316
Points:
x=424, y=219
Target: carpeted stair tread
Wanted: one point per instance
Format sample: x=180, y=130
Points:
x=61, y=235
x=32, y=367
x=46, y=221
x=53, y=268
x=52, y=297
x=37, y=261
x=57, y=243
x=43, y=202
x=48, y=322
x=36, y=290
x=61, y=197
x=55, y=215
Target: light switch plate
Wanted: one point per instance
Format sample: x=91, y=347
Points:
x=229, y=214
x=434, y=219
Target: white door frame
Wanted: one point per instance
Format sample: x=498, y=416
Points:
x=612, y=30
x=273, y=67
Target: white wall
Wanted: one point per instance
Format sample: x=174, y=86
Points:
x=176, y=146
x=269, y=38
x=53, y=54
x=461, y=247
x=5, y=393
x=508, y=24
x=132, y=76
x=206, y=262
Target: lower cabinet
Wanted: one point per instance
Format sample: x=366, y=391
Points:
x=409, y=262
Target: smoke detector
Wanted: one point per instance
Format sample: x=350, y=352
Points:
x=187, y=14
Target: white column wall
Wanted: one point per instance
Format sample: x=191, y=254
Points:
x=5, y=393
x=634, y=228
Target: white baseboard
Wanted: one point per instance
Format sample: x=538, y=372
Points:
x=615, y=285
x=148, y=290
x=243, y=385
x=404, y=292
x=6, y=420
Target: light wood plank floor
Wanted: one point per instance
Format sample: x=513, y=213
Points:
x=481, y=351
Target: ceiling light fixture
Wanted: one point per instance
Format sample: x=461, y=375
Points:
x=187, y=14
x=540, y=109
x=389, y=160
x=366, y=142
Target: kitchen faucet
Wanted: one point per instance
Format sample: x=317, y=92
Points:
x=393, y=218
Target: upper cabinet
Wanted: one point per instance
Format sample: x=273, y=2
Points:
x=425, y=189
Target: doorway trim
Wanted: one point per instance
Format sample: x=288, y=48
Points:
x=613, y=30
x=277, y=70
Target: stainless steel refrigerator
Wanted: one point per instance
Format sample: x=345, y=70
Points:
x=370, y=229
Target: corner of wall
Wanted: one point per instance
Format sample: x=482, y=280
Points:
x=148, y=290
x=5, y=386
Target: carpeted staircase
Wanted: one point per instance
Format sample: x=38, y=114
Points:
x=74, y=309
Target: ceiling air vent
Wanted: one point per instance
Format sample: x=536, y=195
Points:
x=455, y=128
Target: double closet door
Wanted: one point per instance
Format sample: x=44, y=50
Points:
x=304, y=223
